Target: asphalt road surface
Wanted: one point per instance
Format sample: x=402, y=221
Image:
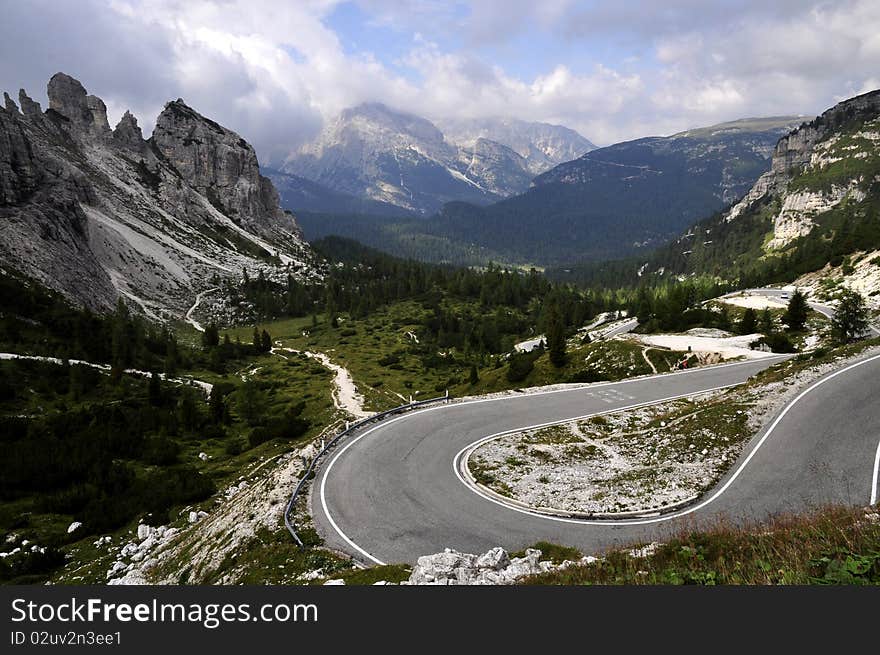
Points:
x=392, y=492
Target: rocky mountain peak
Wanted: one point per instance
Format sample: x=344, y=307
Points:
x=29, y=107
x=9, y=103
x=87, y=114
x=101, y=215
x=219, y=164
x=128, y=134
x=377, y=115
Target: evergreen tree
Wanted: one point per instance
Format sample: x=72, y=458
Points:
x=257, y=340
x=555, y=337
x=251, y=402
x=187, y=409
x=748, y=324
x=266, y=342
x=766, y=322
x=211, y=336
x=473, y=376
x=796, y=314
x=172, y=357
x=154, y=390
x=850, y=320
x=723, y=320
x=217, y=407
x=122, y=341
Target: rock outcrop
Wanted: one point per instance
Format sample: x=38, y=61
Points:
x=494, y=567
x=372, y=151
x=220, y=165
x=804, y=148
x=87, y=114
x=99, y=214
x=128, y=135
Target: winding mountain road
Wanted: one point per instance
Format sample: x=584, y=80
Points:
x=394, y=492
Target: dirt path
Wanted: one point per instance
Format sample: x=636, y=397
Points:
x=345, y=394
x=648, y=359
x=189, y=319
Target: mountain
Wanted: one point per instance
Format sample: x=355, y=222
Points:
x=541, y=145
x=99, y=213
x=301, y=195
x=818, y=202
x=611, y=202
x=373, y=152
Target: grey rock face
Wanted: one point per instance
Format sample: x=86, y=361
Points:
x=494, y=567
x=99, y=215
x=220, y=165
x=28, y=107
x=541, y=145
x=793, y=152
x=87, y=114
x=9, y=103
x=128, y=134
x=372, y=151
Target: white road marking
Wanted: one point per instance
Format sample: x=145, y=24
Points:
x=326, y=471
x=874, y=479
x=674, y=515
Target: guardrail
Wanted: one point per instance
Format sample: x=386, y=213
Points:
x=352, y=427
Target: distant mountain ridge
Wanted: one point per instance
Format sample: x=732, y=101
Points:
x=374, y=152
x=541, y=145
x=611, y=202
x=820, y=200
x=101, y=214
x=818, y=203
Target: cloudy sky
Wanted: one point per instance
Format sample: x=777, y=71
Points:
x=612, y=69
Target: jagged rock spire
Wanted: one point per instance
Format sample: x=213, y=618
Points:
x=10, y=103
x=28, y=107
x=128, y=134
x=87, y=114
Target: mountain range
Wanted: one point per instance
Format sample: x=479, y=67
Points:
x=610, y=202
x=100, y=214
x=818, y=202
x=378, y=155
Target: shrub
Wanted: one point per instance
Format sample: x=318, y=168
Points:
x=587, y=375
x=519, y=367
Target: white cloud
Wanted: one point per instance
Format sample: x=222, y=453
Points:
x=274, y=71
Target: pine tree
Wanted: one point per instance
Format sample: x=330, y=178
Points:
x=796, y=314
x=172, y=357
x=850, y=320
x=122, y=342
x=257, y=340
x=723, y=320
x=154, y=390
x=748, y=324
x=473, y=376
x=766, y=322
x=217, y=407
x=266, y=342
x=211, y=336
x=555, y=337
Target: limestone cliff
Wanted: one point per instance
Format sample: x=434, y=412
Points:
x=816, y=167
x=100, y=214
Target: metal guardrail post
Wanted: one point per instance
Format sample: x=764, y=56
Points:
x=349, y=428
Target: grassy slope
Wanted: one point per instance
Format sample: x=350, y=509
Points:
x=386, y=368
x=831, y=546
x=296, y=379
